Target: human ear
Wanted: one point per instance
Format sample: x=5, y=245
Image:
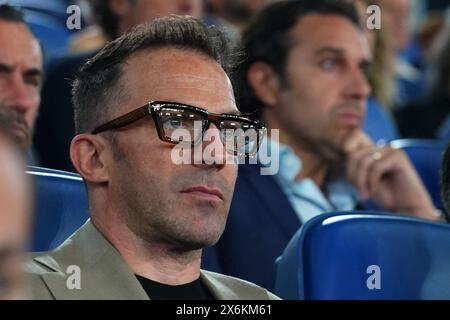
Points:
x=264, y=82
x=88, y=156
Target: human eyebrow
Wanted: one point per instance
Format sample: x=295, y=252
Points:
x=34, y=72
x=5, y=68
x=330, y=50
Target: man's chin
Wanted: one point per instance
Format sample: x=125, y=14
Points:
x=199, y=244
x=21, y=140
x=206, y=239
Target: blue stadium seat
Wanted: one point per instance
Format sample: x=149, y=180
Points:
x=53, y=35
x=54, y=8
x=47, y=20
x=366, y=255
x=60, y=206
x=426, y=155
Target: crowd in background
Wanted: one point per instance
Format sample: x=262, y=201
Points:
x=409, y=76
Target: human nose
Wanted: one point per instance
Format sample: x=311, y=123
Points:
x=18, y=93
x=358, y=87
x=213, y=149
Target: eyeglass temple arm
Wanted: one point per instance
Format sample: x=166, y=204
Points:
x=124, y=120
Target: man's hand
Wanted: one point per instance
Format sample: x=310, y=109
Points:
x=386, y=176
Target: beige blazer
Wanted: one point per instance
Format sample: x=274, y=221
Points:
x=103, y=274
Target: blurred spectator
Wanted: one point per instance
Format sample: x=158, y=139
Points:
x=396, y=16
x=115, y=17
x=381, y=74
x=379, y=123
x=20, y=75
x=55, y=125
x=305, y=75
x=232, y=15
x=428, y=117
x=431, y=28
x=14, y=216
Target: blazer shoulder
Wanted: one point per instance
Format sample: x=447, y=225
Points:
x=231, y=288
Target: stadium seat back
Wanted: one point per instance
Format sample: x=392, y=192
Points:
x=60, y=206
x=366, y=255
x=426, y=156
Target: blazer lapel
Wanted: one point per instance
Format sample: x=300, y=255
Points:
x=272, y=197
x=103, y=272
x=223, y=288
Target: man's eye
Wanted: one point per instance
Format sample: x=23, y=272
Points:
x=366, y=69
x=176, y=123
x=33, y=82
x=328, y=64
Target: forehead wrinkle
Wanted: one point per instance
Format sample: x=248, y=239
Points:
x=186, y=80
x=169, y=91
x=189, y=81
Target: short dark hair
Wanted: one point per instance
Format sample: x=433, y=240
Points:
x=9, y=13
x=97, y=88
x=445, y=181
x=268, y=39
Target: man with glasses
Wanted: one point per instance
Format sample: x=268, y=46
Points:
x=161, y=86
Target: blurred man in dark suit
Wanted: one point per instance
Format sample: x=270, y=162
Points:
x=305, y=75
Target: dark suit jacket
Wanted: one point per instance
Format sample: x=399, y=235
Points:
x=261, y=222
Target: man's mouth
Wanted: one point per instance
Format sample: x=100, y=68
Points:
x=19, y=130
x=210, y=193
x=350, y=118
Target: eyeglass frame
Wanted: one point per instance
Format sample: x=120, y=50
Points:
x=153, y=107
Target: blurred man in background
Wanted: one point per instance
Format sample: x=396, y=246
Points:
x=397, y=18
x=116, y=17
x=20, y=75
x=233, y=15
x=305, y=73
